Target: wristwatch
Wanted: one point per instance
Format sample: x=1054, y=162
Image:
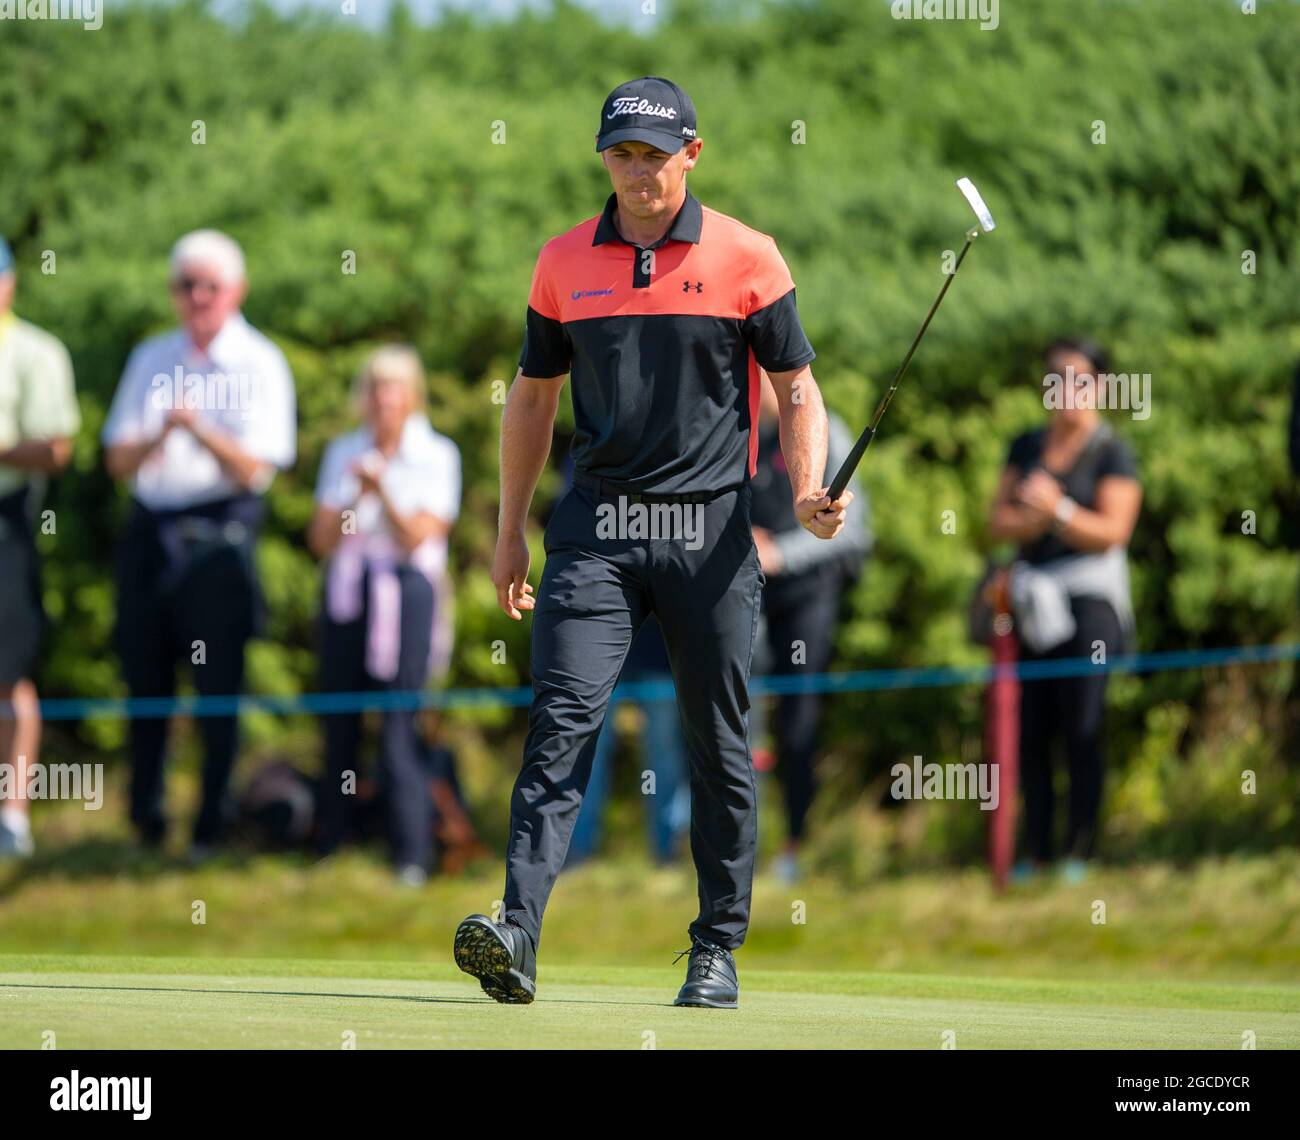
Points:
x=1064, y=512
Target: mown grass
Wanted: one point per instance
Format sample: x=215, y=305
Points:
x=89, y=890
x=91, y=1002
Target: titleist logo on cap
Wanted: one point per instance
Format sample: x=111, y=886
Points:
x=630, y=105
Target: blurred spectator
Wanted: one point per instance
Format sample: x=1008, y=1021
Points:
x=1069, y=497
x=280, y=809
x=38, y=418
x=668, y=810
x=386, y=497
x=202, y=418
x=1293, y=433
x=456, y=841
x=806, y=579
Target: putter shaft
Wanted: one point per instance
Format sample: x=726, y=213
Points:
x=854, y=457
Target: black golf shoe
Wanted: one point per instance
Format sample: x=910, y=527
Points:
x=500, y=955
x=710, y=977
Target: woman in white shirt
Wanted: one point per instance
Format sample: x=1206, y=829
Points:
x=386, y=498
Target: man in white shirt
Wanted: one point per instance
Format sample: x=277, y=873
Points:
x=38, y=420
x=202, y=418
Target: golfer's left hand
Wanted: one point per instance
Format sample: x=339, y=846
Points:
x=821, y=516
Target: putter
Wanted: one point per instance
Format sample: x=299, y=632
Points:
x=986, y=223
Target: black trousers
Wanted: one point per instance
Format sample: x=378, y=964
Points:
x=800, y=612
x=594, y=594
x=403, y=775
x=166, y=604
x=1072, y=708
x=22, y=618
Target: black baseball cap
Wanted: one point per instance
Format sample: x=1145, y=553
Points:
x=650, y=110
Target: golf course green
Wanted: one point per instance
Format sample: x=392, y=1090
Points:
x=110, y=1002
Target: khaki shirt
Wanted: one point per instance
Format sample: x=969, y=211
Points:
x=37, y=398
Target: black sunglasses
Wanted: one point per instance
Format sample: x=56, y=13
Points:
x=190, y=284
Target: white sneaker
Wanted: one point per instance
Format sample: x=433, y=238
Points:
x=412, y=875
x=786, y=867
x=16, y=840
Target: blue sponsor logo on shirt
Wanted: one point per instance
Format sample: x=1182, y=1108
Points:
x=578, y=294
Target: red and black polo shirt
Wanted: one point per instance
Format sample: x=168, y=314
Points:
x=664, y=345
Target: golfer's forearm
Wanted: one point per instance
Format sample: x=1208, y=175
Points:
x=526, y=427
x=804, y=435
x=801, y=550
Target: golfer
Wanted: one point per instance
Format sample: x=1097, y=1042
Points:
x=663, y=311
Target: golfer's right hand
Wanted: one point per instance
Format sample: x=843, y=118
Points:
x=821, y=516
x=510, y=575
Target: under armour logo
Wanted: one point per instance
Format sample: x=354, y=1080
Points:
x=699, y=286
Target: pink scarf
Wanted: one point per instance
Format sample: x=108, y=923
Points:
x=344, y=601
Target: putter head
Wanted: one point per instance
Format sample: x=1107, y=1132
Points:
x=967, y=188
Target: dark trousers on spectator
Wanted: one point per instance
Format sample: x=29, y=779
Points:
x=198, y=606
x=1072, y=708
x=403, y=777
x=22, y=620
x=800, y=612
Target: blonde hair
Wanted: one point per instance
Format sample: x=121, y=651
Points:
x=397, y=363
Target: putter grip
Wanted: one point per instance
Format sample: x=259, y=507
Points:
x=851, y=461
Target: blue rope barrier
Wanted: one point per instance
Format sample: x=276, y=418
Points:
x=856, y=681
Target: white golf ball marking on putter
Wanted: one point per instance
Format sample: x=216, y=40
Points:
x=967, y=187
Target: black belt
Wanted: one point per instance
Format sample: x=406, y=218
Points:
x=187, y=535
x=632, y=494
